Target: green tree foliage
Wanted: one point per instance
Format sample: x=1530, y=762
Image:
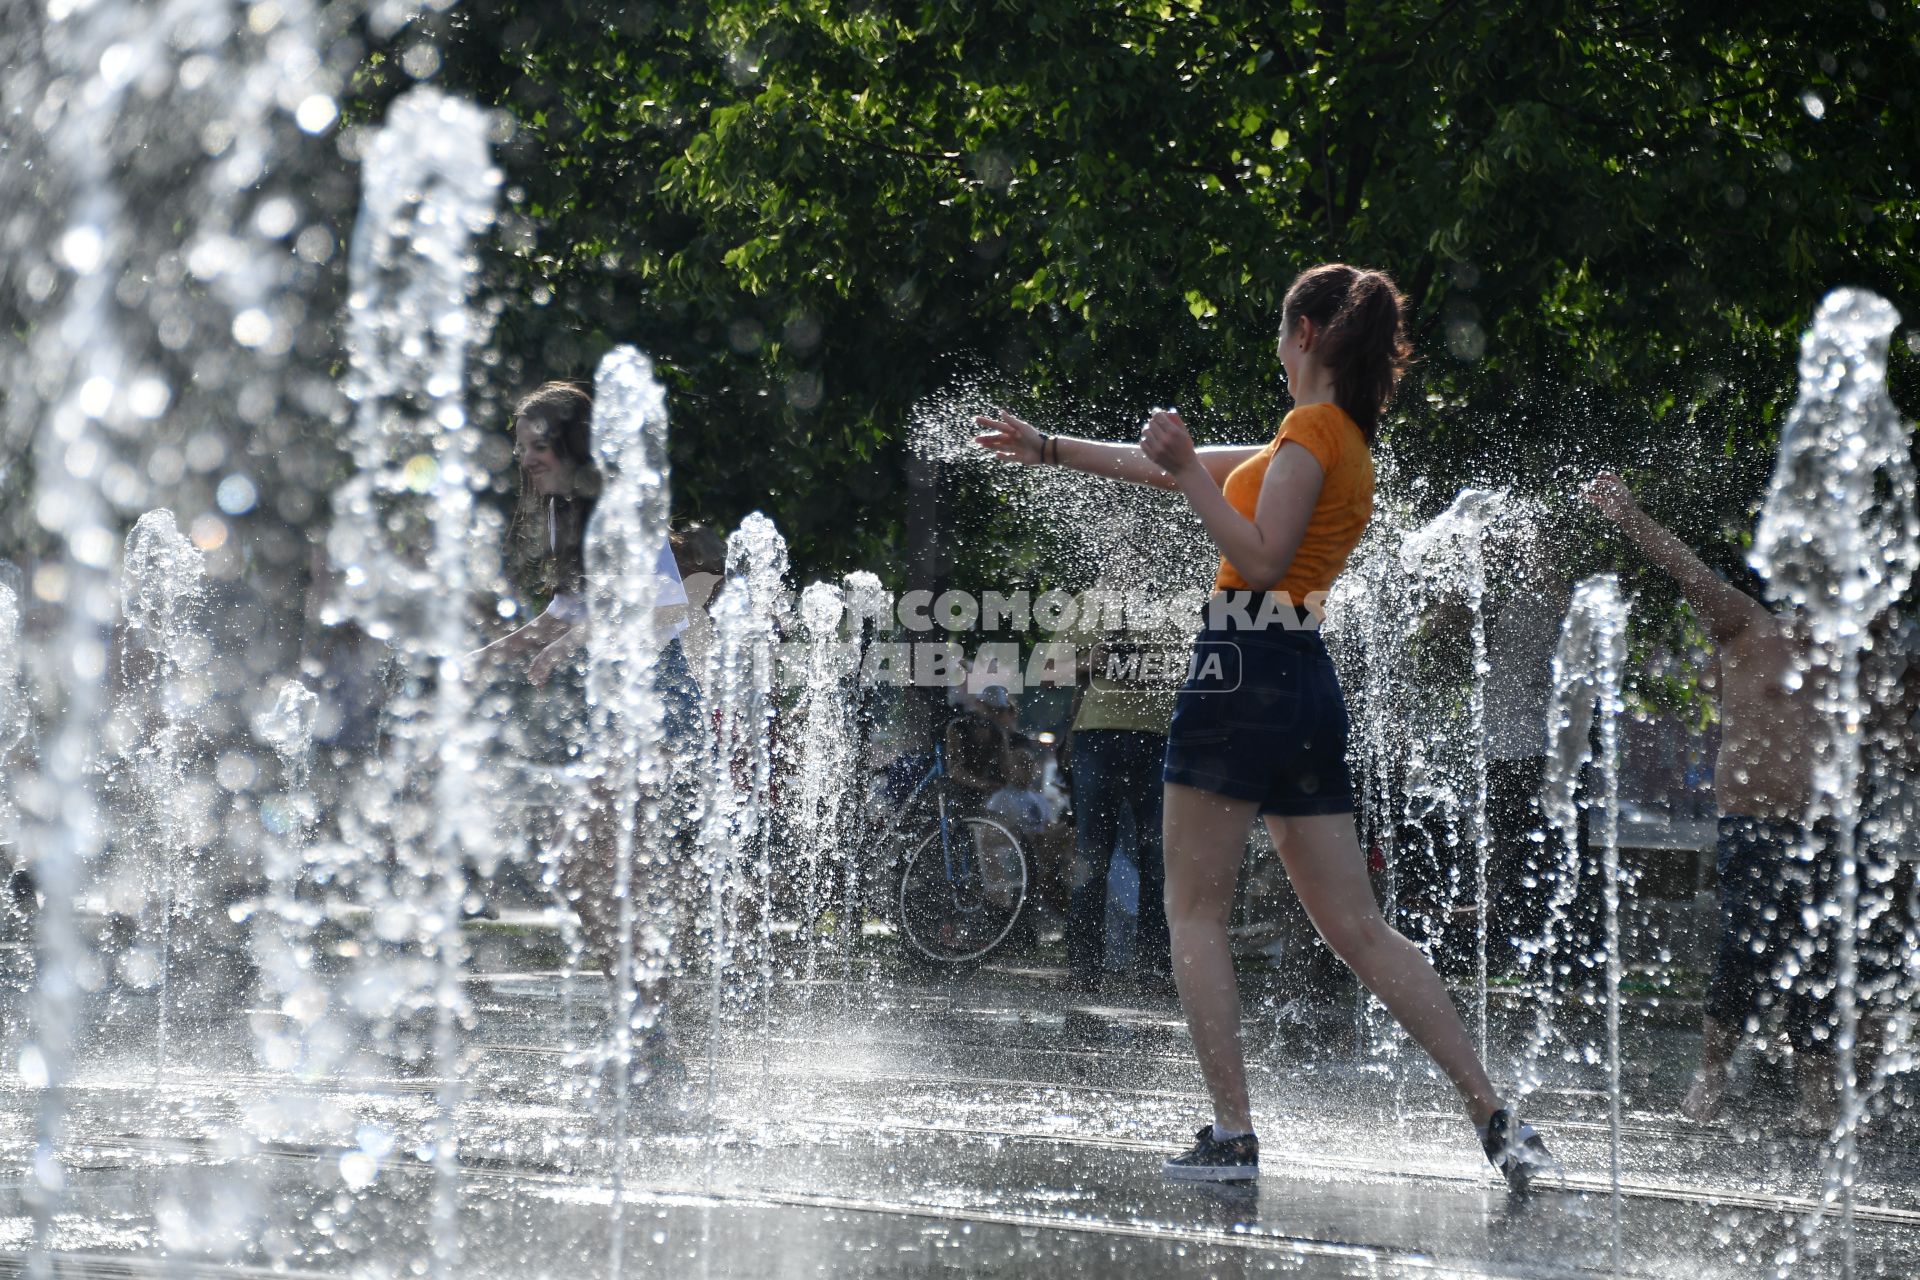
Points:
x=1612, y=220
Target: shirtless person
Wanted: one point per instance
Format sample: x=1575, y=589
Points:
x=1762, y=781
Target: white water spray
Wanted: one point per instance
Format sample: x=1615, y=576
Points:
x=1444, y=558
x=1588, y=667
x=624, y=640
x=1839, y=538
x=411, y=544
x=163, y=591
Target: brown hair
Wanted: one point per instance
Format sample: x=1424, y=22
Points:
x=1362, y=321
x=548, y=535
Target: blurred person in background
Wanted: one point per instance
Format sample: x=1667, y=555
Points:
x=1772, y=869
x=560, y=488
x=1117, y=748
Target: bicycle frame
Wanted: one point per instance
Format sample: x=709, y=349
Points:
x=954, y=872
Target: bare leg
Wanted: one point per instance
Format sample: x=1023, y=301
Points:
x=589, y=878
x=1329, y=873
x=1205, y=838
x=1709, y=1088
x=586, y=875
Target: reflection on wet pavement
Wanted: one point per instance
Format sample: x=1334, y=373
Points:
x=900, y=1128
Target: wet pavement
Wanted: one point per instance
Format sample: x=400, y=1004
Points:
x=889, y=1124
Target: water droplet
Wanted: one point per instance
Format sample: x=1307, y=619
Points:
x=82, y=248
x=116, y=65
x=94, y=547
x=235, y=771
x=420, y=472
x=196, y=71
x=148, y=397
x=236, y=495
x=315, y=244
x=274, y=219
x=252, y=328
x=33, y=1067
x=421, y=61
x=96, y=397
x=358, y=1169
x=209, y=532
x=316, y=113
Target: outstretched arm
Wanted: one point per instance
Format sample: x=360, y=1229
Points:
x=1726, y=610
x=1020, y=441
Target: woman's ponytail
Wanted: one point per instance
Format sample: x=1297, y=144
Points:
x=1361, y=319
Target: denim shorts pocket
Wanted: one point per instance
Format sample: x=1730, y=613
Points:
x=1197, y=720
x=1202, y=754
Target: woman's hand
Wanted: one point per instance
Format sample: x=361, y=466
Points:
x=1609, y=492
x=1167, y=445
x=549, y=659
x=1010, y=438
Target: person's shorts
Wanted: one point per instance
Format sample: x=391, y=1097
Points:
x=1772, y=880
x=1261, y=718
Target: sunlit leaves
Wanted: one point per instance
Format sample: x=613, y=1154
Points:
x=1610, y=218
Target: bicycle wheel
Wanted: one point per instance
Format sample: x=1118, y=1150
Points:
x=954, y=919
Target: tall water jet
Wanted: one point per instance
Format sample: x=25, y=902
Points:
x=827, y=756
x=1588, y=668
x=284, y=926
x=1369, y=628
x=757, y=558
x=869, y=607
x=1445, y=561
x=732, y=811
x=163, y=591
x=1839, y=539
x=627, y=774
x=15, y=717
x=71, y=407
x=411, y=544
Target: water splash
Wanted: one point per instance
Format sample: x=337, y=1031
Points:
x=1445, y=560
x=75, y=356
x=757, y=559
x=15, y=711
x=411, y=543
x=163, y=592
x=627, y=772
x=870, y=606
x=1369, y=631
x=732, y=809
x=286, y=926
x=1588, y=668
x=1839, y=539
x=824, y=778
x=1068, y=526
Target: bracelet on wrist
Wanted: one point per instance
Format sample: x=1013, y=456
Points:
x=1045, y=440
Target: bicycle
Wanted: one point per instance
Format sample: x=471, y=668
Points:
x=963, y=876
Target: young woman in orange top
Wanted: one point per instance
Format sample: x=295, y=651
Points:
x=1260, y=727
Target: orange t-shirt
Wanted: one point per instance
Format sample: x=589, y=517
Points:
x=1339, y=517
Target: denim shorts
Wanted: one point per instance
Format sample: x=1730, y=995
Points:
x=1261, y=718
